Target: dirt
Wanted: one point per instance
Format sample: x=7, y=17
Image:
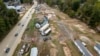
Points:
x=66, y=51
x=59, y=45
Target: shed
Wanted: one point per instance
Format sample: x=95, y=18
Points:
x=82, y=48
x=17, y=8
x=34, y=51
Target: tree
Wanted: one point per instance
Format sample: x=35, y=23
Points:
x=75, y=5
x=49, y=2
x=8, y=18
x=95, y=17
x=27, y=1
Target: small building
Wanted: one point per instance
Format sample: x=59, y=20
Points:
x=17, y=8
x=82, y=48
x=34, y=51
x=45, y=21
x=97, y=48
x=11, y=7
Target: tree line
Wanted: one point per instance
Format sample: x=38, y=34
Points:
x=8, y=18
x=27, y=1
x=87, y=11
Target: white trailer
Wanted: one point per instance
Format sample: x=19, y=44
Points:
x=43, y=28
x=47, y=31
x=34, y=51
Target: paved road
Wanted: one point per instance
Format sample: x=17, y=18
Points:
x=10, y=40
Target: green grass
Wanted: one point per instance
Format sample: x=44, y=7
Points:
x=31, y=26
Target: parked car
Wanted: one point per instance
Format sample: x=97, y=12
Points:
x=22, y=25
x=16, y=34
x=7, y=50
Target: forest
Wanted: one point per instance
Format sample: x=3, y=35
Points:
x=8, y=18
x=87, y=11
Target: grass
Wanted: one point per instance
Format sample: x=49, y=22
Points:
x=44, y=49
x=59, y=48
x=58, y=17
x=54, y=25
x=17, y=49
x=73, y=48
x=91, y=49
x=77, y=30
x=90, y=37
x=60, y=51
x=31, y=26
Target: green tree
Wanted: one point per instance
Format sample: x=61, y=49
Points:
x=27, y=1
x=95, y=17
x=75, y=4
x=8, y=18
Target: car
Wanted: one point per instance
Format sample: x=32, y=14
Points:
x=16, y=34
x=7, y=50
x=22, y=51
x=45, y=39
x=22, y=25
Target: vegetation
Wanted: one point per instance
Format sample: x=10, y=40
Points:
x=31, y=26
x=73, y=48
x=27, y=1
x=87, y=11
x=8, y=18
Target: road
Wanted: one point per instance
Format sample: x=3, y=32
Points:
x=10, y=40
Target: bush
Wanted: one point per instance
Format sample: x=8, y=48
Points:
x=71, y=13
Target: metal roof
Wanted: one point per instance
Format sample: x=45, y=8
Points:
x=45, y=21
x=34, y=51
x=13, y=7
x=82, y=48
x=98, y=46
x=18, y=7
